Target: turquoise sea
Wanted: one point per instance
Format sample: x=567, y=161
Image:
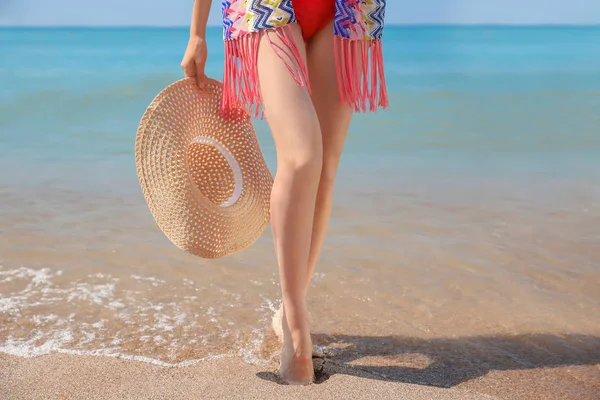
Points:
x=467, y=213
x=501, y=102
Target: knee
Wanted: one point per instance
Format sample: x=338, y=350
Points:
x=306, y=158
x=304, y=163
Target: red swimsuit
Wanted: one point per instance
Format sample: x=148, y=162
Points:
x=313, y=15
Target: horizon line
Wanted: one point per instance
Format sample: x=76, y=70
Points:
x=409, y=25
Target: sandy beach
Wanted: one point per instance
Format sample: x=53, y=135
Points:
x=70, y=377
x=62, y=376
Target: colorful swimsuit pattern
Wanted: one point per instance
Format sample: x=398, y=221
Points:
x=358, y=29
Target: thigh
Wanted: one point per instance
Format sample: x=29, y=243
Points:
x=287, y=105
x=334, y=116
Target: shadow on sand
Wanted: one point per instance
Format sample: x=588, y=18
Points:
x=447, y=362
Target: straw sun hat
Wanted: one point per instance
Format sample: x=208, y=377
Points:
x=204, y=176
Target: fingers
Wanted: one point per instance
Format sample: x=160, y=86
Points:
x=192, y=70
x=201, y=81
x=189, y=69
x=200, y=77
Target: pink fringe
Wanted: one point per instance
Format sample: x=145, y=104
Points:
x=240, y=81
x=359, y=65
x=360, y=74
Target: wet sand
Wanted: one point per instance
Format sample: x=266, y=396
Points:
x=478, y=287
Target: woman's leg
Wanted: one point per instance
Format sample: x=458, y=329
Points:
x=334, y=119
x=295, y=127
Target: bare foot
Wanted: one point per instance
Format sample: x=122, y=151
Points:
x=296, y=353
x=277, y=323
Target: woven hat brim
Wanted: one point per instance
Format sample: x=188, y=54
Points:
x=177, y=115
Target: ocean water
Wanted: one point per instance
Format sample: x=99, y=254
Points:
x=469, y=210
